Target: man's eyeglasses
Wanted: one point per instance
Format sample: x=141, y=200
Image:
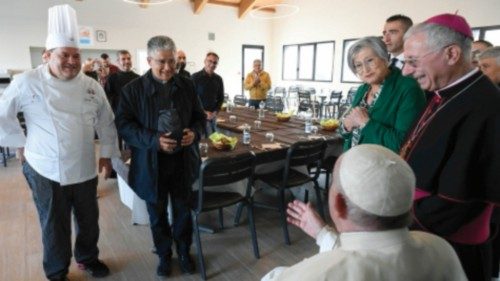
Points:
x=415, y=61
x=163, y=62
x=369, y=62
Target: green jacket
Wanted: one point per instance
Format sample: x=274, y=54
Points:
x=398, y=105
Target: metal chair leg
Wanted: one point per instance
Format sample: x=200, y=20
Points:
x=221, y=219
x=283, y=216
x=201, y=262
x=237, y=217
x=320, y=200
x=251, y=226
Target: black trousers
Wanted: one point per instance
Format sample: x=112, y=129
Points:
x=475, y=260
x=171, y=182
x=54, y=204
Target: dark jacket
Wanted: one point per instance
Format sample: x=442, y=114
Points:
x=137, y=123
x=400, y=102
x=114, y=86
x=210, y=89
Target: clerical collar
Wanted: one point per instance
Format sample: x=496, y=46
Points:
x=161, y=81
x=461, y=79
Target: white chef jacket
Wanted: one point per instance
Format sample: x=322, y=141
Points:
x=61, y=119
x=391, y=255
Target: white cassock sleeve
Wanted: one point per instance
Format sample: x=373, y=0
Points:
x=326, y=240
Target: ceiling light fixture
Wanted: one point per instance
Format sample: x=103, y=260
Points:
x=147, y=2
x=274, y=11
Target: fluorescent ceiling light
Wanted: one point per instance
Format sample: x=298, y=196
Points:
x=147, y=2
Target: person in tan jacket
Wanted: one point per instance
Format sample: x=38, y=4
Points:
x=258, y=83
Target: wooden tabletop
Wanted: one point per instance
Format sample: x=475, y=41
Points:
x=285, y=133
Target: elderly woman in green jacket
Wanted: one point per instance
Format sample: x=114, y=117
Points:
x=385, y=107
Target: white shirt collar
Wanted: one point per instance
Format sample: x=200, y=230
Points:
x=469, y=74
x=372, y=239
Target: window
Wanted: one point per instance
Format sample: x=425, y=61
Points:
x=488, y=33
x=308, y=61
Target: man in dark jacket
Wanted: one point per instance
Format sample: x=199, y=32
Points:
x=161, y=118
x=210, y=89
x=118, y=80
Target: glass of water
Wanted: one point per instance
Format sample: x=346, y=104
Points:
x=314, y=130
x=203, y=149
x=232, y=118
x=257, y=124
x=270, y=136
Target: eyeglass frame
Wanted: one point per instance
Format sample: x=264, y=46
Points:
x=162, y=63
x=415, y=61
x=365, y=63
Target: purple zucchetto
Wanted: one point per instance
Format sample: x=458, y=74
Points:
x=454, y=22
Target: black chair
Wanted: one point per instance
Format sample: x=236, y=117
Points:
x=5, y=155
x=240, y=100
x=351, y=93
x=303, y=153
x=304, y=100
x=311, y=90
x=280, y=92
x=332, y=107
x=221, y=171
x=275, y=104
x=294, y=89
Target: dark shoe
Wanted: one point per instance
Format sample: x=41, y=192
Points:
x=164, y=267
x=186, y=264
x=96, y=268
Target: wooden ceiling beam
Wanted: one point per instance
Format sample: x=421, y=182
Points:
x=199, y=5
x=223, y=3
x=144, y=4
x=245, y=7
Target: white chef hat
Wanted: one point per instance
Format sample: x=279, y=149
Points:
x=62, y=27
x=377, y=180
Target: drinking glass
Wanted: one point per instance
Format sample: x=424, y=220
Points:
x=232, y=118
x=314, y=130
x=257, y=124
x=270, y=136
x=203, y=149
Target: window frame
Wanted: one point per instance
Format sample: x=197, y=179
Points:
x=297, y=67
x=482, y=30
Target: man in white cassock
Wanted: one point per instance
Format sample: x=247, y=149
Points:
x=370, y=203
x=63, y=108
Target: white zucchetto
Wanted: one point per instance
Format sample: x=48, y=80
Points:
x=62, y=27
x=377, y=180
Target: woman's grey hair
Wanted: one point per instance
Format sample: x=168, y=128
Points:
x=162, y=43
x=439, y=36
x=368, y=220
x=493, y=52
x=374, y=43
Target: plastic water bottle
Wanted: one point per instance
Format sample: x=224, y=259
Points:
x=308, y=122
x=246, y=134
x=262, y=105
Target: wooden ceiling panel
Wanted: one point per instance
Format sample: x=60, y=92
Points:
x=244, y=6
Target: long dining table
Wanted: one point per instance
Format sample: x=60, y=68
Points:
x=270, y=155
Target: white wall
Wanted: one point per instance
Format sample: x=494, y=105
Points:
x=323, y=20
x=23, y=23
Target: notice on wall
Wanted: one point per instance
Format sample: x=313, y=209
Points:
x=85, y=33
